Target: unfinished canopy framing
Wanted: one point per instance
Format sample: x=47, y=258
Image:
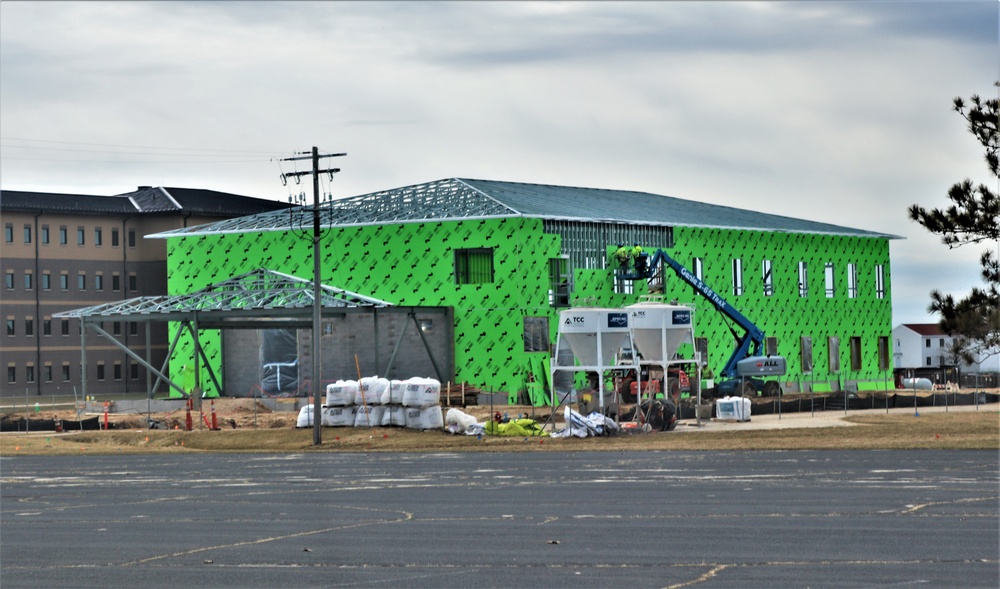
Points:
x=262, y=299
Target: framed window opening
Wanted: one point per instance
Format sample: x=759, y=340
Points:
x=806, y=353
x=474, y=266
x=803, y=280
x=768, y=277
x=559, y=282
x=852, y=280
x=833, y=347
x=828, y=280
x=737, y=277
x=855, y=345
x=536, y=334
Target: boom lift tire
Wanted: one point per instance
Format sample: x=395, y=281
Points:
x=772, y=389
x=748, y=390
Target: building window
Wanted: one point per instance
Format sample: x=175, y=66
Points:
x=768, y=278
x=11, y=375
x=46, y=327
x=927, y=361
x=698, y=267
x=559, y=282
x=131, y=237
x=63, y=281
x=116, y=282
x=852, y=281
x=63, y=235
x=806, y=349
x=771, y=346
x=65, y=372
x=133, y=371
x=8, y=280
x=941, y=343
x=81, y=236
x=65, y=326
x=927, y=342
x=701, y=347
x=880, y=281
x=98, y=237
x=81, y=282
x=737, y=277
x=828, y=273
x=29, y=373
x=133, y=328
x=833, y=346
x=98, y=282
x=118, y=370
x=116, y=328
x=11, y=329
x=855, y=343
x=28, y=282
x=100, y=371
x=45, y=235
x=803, y=280
x=29, y=327
x=474, y=266
x=47, y=372
x=46, y=281
x=114, y=238
x=27, y=234
x=133, y=282
x=536, y=334
x=8, y=233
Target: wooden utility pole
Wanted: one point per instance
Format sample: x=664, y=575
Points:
x=317, y=327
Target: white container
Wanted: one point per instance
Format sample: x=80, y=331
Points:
x=370, y=390
x=341, y=393
x=339, y=416
x=425, y=418
x=734, y=408
x=659, y=329
x=394, y=394
x=594, y=335
x=305, y=418
x=917, y=384
x=370, y=416
x=394, y=415
x=422, y=392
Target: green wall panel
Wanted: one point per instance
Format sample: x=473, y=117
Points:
x=413, y=264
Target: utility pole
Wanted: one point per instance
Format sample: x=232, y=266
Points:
x=317, y=327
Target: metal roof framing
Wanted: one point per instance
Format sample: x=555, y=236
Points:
x=456, y=199
x=256, y=300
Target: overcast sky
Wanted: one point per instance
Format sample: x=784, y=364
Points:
x=831, y=111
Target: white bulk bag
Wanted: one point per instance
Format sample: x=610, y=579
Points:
x=426, y=418
x=341, y=393
x=305, y=418
x=370, y=390
x=394, y=415
x=394, y=394
x=459, y=418
x=339, y=416
x=422, y=392
x=370, y=416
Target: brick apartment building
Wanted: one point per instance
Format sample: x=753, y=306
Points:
x=66, y=251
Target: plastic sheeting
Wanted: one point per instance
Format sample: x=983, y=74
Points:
x=279, y=357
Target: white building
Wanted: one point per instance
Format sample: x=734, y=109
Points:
x=924, y=345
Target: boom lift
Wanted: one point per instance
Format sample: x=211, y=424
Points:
x=749, y=358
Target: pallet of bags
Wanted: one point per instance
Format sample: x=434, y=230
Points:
x=370, y=390
x=339, y=416
x=369, y=416
x=341, y=393
x=305, y=418
x=394, y=415
x=421, y=393
x=424, y=418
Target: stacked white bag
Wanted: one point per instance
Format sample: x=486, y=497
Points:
x=339, y=416
x=422, y=400
x=369, y=416
x=371, y=390
x=341, y=393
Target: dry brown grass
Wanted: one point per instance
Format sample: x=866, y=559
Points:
x=875, y=431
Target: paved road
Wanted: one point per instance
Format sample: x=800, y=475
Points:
x=603, y=519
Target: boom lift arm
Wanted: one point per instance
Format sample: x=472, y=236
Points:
x=750, y=344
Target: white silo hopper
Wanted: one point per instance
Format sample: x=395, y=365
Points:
x=594, y=335
x=658, y=329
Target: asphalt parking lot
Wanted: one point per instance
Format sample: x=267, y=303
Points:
x=595, y=519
